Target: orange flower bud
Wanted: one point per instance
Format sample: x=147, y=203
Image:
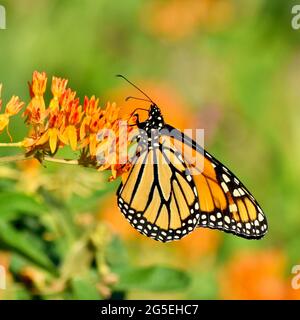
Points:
x=58, y=88
x=39, y=82
x=14, y=106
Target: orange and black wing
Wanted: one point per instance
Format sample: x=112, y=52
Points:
x=225, y=203
x=158, y=196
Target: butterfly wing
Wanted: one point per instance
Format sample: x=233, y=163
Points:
x=225, y=203
x=158, y=196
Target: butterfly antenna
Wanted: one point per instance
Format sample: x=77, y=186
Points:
x=136, y=98
x=140, y=90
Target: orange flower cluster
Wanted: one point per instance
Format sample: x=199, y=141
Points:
x=88, y=128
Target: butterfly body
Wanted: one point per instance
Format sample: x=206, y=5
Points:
x=164, y=200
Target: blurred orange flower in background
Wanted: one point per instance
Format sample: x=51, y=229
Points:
x=256, y=275
x=201, y=242
x=175, y=19
x=111, y=214
x=30, y=178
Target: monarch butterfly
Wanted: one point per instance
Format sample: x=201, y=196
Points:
x=163, y=200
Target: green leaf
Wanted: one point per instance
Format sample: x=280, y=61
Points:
x=12, y=203
x=116, y=255
x=84, y=289
x=77, y=261
x=17, y=241
x=154, y=278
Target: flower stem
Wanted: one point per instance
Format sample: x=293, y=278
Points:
x=20, y=157
x=58, y=160
x=11, y=144
x=14, y=158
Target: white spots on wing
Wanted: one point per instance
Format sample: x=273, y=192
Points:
x=241, y=191
x=248, y=225
x=227, y=219
x=224, y=187
x=260, y=217
x=225, y=178
x=236, y=193
x=236, y=180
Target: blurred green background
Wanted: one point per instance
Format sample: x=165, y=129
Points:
x=228, y=66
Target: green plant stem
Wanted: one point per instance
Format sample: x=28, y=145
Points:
x=20, y=157
x=14, y=158
x=11, y=144
x=63, y=161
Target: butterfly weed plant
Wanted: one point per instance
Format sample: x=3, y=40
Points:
x=53, y=247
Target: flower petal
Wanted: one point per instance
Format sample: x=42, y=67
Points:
x=53, y=139
x=72, y=135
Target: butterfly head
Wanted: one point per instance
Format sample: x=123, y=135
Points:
x=155, y=119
